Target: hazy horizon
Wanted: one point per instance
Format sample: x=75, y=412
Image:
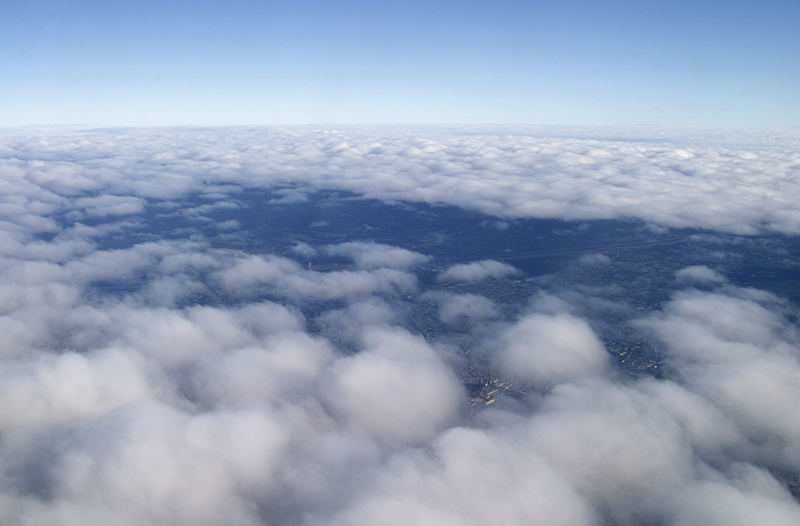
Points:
x=713, y=64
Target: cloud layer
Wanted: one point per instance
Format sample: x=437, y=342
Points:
x=167, y=376
x=723, y=181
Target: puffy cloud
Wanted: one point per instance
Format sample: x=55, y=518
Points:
x=549, y=348
x=106, y=205
x=159, y=367
x=741, y=354
x=478, y=270
x=273, y=424
x=346, y=324
x=594, y=259
x=395, y=389
x=752, y=495
x=470, y=477
x=457, y=307
x=51, y=389
x=286, y=278
x=716, y=327
x=689, y=180
x=147, y=463
x=304, y=249
x=284, y=365
x=699, y=274
x=369, y=255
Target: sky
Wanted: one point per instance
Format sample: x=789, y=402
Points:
x=709, y=64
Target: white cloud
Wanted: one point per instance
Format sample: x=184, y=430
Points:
x=271, y=422
x=132, y=407
x=477, y=271
x=458, y=307
x=550, y=348
x=470, y=477
x=395, y=389
x=715, y=327
x=708, y=185
x=106, y=205
x=699, y=274
x=346, y=325
x=53, y=389
x=753, y=495
x=287, y=278
x=594, y=259
x=368, y=255
x=304, y=249
x=742, y=356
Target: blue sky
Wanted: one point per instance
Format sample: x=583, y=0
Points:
x=718, y=64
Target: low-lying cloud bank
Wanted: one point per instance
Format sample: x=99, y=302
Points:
x=731, y=182
x=176, y=381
